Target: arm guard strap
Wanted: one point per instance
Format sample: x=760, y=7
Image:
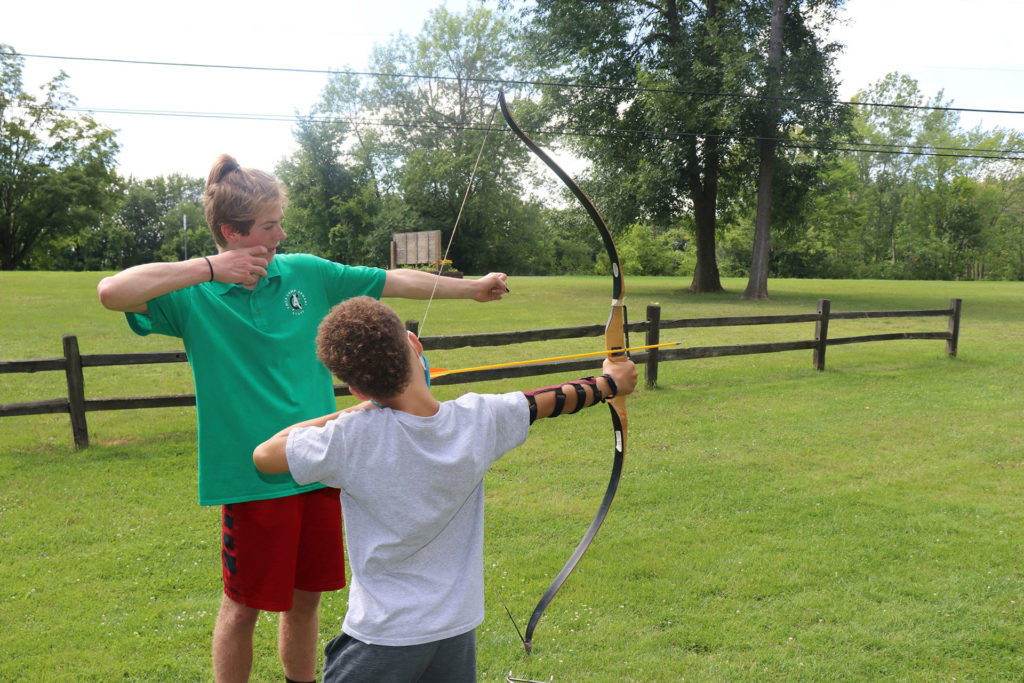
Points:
x=579, y=386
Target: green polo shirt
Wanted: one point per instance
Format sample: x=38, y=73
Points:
x=253, y=358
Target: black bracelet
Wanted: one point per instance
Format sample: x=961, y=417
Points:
x=211, y=267
x=612, y=386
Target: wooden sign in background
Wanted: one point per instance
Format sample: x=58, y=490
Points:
x=415, y=248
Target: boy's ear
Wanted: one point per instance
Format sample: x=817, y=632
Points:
x=415, y=342
x=231, y=235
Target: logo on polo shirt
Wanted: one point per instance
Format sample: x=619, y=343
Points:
x=295, y=301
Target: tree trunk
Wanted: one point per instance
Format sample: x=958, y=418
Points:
x=703, y=166
x=704, y=194
x=757, y=284
x=705, y=273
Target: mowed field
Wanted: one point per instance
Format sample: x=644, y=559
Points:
x=773, y=522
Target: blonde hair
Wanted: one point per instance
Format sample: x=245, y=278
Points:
x=238, y=196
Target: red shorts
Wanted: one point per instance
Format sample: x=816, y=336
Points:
x=272, y=547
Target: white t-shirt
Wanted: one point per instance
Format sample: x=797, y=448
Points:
x=413, y=502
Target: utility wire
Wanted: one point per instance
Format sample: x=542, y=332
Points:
x=579, y=132
x=427, y=124
x=533, y=83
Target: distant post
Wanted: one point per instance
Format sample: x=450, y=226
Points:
x=76, y=390
x=184, y=233
x=821, y=333
x=954, y=327
x=653, y=337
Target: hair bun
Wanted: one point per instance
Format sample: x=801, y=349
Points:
x=225, y=164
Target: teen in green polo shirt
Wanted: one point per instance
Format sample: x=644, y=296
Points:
x=248, y=318
x=271, y=368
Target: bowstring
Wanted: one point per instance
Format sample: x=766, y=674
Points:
x=437, y=280
x=458, y=217
x=507, y=611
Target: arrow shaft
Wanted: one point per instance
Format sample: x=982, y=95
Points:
x=589, y=354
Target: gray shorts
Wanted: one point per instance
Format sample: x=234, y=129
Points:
x=452, y=660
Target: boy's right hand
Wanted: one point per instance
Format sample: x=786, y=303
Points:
x=624, y=374
x=244, y=266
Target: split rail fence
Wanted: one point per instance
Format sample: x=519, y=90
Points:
x=77, y=405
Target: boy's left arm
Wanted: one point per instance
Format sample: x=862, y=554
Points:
x=270, y=457
x=619, y=379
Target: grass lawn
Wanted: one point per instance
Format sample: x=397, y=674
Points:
x=773, y=522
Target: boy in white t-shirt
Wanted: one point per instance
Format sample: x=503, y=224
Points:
x=411, y=481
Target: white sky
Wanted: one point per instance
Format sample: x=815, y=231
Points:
x=964, y=47
x=969, y=49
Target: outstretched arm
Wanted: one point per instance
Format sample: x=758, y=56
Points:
x=416, y=284
x=619, y=379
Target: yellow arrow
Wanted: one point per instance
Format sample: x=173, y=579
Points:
x=437, y=372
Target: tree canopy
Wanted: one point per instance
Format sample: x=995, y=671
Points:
x=673, y=82
x=57, y=171
x=673, y=110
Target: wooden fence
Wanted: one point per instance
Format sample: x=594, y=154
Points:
x=76, y=404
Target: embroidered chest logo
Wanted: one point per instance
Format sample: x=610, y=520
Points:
x=295, y=301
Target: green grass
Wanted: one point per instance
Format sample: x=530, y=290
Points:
x=773, y=522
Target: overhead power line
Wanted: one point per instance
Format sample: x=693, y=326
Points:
x=535, y=83
x=844, y=146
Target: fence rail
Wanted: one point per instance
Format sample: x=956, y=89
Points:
x=75, y=404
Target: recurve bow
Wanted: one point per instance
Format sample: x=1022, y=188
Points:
x=616, y=341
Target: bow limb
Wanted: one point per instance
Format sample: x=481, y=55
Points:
x=616, y=342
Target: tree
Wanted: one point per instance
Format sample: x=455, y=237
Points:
x=185, y=215
x=396, y=154
x=678, y=74
x=1000, y=202
x=826, y=241
x=916, y=221
x=145, y=227
x=318, y=184
x=911, y=202
x=757, y=283
x=440, y=135
x=57, y=172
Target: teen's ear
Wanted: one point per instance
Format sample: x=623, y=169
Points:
x=231, y=235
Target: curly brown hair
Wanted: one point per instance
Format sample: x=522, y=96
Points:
x=364, y=344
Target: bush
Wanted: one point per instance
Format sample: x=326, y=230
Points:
x=643, y=252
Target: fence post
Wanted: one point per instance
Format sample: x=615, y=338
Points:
x=413, y=326
x=653, y=337
x=76, y=390
x=954, y=327
x=821, y=333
